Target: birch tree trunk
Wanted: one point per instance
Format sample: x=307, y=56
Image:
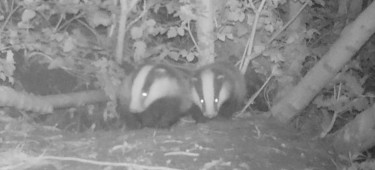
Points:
x=352, y=38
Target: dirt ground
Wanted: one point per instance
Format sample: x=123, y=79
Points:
x=254, y=143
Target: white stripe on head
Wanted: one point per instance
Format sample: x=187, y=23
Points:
x=161, y=88
x=224, y=93
x=208, y=86
x=136, y=101
x=196, y=90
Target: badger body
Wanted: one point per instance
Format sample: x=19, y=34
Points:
x=158, y=96
x=218, y=89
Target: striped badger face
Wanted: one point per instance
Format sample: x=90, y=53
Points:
x=211, y=90
x=216, y=84
x=151, y=83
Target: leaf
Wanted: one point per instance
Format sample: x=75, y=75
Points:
x=183, y=53
x=10, y=64
x=242, y=30
x=190, y=57
x=172, y=32
x=220, y=36
x=171, y=7
x=259, y=48
x=293, y=37
x=186, y=13
x=2, y=76
x=269, y=28
x=232, y=16
x=230, y=36
x=139, y=50
x=149, y=26
x=226, y=32
x=320, y=2
x=97, y=17
x=156, y=7
x=24, y=25
x=276, y=71
x=353, y=84
x=181, y=31
x=136, y=32
x=27, y=15
x=159, y=30
x=11, y=80
x=69, y=44
x=10, y=57
x=250, y=20
x=320, y=101
x=174, y=55
x=275, y=55
x=150, y=23
x=340, y=104
x=360, y=104
x=241, y=16
x=311, y=32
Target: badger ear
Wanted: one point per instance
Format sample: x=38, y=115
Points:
x=220, y=77
x=194, y=79
x=160, y=72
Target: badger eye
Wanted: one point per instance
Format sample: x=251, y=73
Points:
x=202, y=101
x=144, y=94
x=216, y=100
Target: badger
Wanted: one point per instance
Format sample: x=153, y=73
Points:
x=218, y=89
x=158, y=96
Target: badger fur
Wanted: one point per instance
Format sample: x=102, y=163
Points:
x=218, y=89
x=159, y=95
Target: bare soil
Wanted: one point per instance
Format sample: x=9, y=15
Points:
x=250, y=144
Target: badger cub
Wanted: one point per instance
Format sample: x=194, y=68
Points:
x=159, y=95
x=218, y=89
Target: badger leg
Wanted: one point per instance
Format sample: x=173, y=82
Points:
x=132, y=121
x=229, y=108
x=163, y=113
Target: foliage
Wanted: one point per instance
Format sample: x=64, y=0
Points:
x=78, y=36
x=7, y=67
x=61, y=34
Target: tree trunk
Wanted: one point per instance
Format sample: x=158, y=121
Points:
x=352, y=38
x=205, y=32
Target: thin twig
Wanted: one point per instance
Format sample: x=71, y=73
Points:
x=288, y=23
x=333, y=120
x=182, y=153
x=251, y=100
x=70, y=20
x=245, y=60
x=139, y=17
x=242, y=63
x=123, y=164
x=8, y=18
x=192, y=38
x=90, y=28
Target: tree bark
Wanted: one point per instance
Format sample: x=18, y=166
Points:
x=205, y=32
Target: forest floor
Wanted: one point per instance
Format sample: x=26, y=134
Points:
x=254, y=143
